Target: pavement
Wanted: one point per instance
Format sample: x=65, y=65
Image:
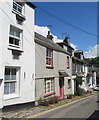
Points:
x=34, y=112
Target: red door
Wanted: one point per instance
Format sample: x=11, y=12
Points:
x=61, y=84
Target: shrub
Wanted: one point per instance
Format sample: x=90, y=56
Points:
x=70, y=96
x=80, y=91
x=54, y=99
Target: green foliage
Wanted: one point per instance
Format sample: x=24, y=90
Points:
x=80, y=91
x=70, y=96
x=78, y=80
x=94, y=61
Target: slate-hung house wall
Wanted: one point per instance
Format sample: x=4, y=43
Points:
x=51, y=68
x=17, y=48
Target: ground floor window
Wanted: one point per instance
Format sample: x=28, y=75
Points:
x=11, y=80
x=49, y=85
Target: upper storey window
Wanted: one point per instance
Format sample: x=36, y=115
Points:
x=15, y=37
x=17, y=7
x=49, y=58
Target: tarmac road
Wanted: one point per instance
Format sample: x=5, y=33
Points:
x=86, y=108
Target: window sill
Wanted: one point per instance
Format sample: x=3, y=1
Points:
x=49, y=94
x=50, y=67
x=10, y=96
x=12, y=47
x=19, y=14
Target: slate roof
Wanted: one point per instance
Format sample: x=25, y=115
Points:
x=67, y=44
x=27, y=2
x=43, y=41
x=83, y=61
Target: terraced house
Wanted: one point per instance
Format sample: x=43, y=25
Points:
x=81, y=68
x=33, y=67
x=17, y=48
x=53, y=68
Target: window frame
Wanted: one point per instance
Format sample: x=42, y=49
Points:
x=49, y=57
x=17, y=7
x=16, y=81
x=68, y=62
x=49, y=89
x=16, y=35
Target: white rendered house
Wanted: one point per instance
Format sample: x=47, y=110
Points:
x=17, y=48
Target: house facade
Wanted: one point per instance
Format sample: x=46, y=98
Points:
x=81, y=68
x=52, y=77
x=17, y=48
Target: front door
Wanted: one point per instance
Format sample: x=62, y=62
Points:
x=61, y=84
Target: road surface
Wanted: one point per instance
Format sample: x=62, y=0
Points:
x=86, y=108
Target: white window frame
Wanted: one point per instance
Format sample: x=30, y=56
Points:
x=16, y=93
x=50, y=88
x=68, y=62
x=49, y=57
x=13, y=33
x=17, y=7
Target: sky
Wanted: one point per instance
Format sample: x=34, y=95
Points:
x=78, y=20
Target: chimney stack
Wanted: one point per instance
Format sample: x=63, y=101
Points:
x=49, y=36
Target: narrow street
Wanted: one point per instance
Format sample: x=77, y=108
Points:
x=83, y=109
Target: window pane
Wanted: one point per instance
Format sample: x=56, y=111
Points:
x=20, y=9
x=16, y=42
x=6, y=88
x=11, y=40
x=15, y=6
x=12, y=87
x=17, y=34
x=12, y=31
x=13, y=74
x=7, y=74
x=46, y=52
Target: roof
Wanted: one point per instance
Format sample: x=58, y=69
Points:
x=43, y=41
x=66, y=44
x=78, y=51
x=27, y=2
x=83, y=61
x=31, y=4
x=62, y=73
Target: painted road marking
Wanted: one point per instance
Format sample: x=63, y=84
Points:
x=41, y=113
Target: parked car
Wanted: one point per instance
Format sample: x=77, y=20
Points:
x=96, y=88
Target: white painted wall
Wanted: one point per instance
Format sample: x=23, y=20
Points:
x=26, y=63
x=1, y=71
